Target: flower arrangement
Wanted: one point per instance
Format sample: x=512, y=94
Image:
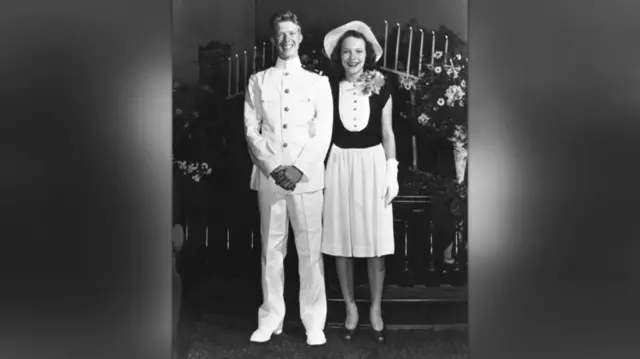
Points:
x=198, y=148
x=195, y=170
x=437, y=108
x=439, y=98
x=370, y=82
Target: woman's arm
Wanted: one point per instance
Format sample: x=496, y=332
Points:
x=389, y=144
x=388, y=138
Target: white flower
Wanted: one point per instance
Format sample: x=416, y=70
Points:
x=459, y=136
x=437, y=55
x=408, y=82
x=454, y=93
x=463, y=83
x=461, y=103
x=441, y=102
x=459, y=57
x=370, y=82
x=438, y=69
x=423, y=119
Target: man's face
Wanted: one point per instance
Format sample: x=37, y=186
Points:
x=287, y=39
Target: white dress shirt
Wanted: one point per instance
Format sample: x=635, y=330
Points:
x=288, y=119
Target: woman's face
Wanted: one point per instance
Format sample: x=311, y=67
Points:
x=353, y=55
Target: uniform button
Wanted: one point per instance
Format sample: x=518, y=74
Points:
x=286, y=91
x=285, y=126
x=355, y=109
x=355, y=101
x=285, y=144
x=286, y=109
x=286, y=74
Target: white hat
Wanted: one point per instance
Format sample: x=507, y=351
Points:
x=331, y=38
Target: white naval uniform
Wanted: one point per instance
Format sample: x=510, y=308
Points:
x=288, y=119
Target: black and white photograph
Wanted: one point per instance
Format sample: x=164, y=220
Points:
x=320, y=153
x=299, y=179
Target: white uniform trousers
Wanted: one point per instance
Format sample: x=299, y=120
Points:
x=305, y=213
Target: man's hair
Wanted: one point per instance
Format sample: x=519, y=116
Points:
x=283, y=16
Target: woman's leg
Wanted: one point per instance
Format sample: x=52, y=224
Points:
x=376, y=270
x=344, y=267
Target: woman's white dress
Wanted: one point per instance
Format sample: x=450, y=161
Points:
x=356, y=222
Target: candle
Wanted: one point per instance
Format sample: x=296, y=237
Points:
x=431, y=227
x=409, y=54
x=229, y=81
x=254, y=59
x=245, y=68
x=414, y=144
x=433, y=45
x=206, y=236
x=186, y=229
x=237, y=74
x=446, y=47
x=456, y=247
x=420, y=57
x=397, y=48
x=386, y=35
x=228, y=242
x=264, y=56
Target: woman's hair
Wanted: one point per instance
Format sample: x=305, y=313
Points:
x=370, y=59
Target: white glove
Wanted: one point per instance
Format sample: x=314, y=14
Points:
x=391, y=187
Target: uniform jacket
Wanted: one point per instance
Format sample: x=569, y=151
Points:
x=288, y=120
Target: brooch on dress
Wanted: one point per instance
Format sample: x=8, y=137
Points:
x=370, y=81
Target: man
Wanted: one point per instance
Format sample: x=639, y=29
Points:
x=288, y=120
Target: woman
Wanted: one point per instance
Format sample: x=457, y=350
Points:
x=361, y=177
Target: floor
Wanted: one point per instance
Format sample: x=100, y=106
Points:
x=218, y=317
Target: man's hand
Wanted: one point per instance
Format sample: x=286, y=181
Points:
x=276, y=173
x=279, y=175
x=293, y=174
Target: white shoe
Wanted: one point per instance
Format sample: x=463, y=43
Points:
x=316, y=338
x=263, y=335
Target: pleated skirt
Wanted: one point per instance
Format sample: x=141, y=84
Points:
x=356, y=222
